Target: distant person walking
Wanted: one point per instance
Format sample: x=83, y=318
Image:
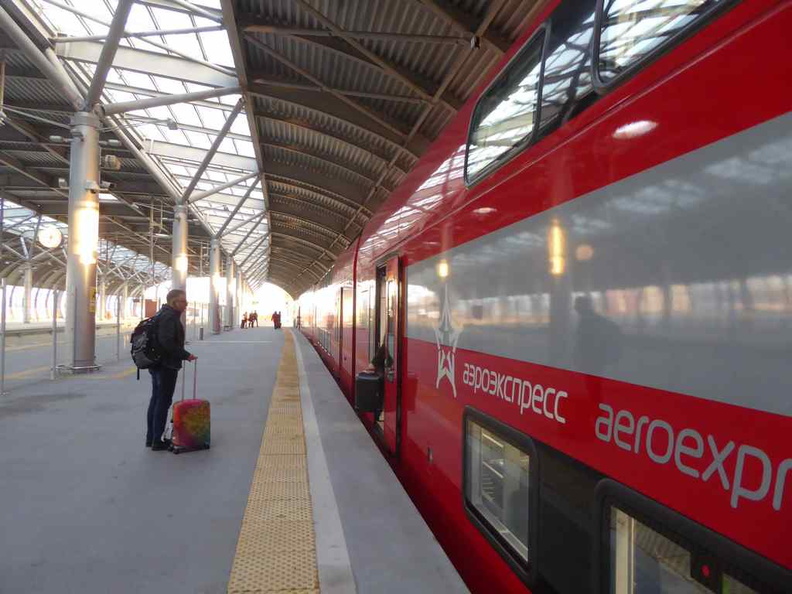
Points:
x=274, y=318
x=169, y=334
x=254, y=319
x=245, y=320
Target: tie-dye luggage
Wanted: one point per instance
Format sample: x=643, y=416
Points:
x=191, y=422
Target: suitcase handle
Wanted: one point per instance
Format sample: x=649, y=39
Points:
x=195, y=380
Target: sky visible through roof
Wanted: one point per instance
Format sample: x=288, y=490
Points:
x=164, y=130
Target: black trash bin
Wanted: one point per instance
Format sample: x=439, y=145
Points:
x=368, y=391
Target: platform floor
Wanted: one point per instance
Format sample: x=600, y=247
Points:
x=85, y=508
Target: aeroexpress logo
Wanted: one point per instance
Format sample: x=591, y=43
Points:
x=446, y=337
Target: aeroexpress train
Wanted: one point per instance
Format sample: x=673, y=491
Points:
x=584, y=289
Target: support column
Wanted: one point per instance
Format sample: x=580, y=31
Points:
x=26, y=315
x=83, y=243
x=240, y=296
x=179, y=252
x=102, y=303
x=125, y=301
x=214, y=286
x=229, y=311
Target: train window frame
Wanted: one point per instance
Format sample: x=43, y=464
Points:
x=525, y=570
x=725, y=555
x=601, y=86
x=542, y=31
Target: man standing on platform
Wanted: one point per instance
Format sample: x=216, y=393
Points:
x=170, y=342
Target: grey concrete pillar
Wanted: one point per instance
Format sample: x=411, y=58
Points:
x=179, y=253
x=214, y=286
x=83, y=243
x=27, y=314
x=229, y=310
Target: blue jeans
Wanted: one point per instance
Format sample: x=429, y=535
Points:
x=163, y=385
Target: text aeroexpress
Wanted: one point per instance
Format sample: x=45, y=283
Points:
x=529, y=396
x=684, y=448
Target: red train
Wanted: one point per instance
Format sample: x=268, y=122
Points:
x=583, y=292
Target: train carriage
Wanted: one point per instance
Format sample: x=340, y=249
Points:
x=585, y=291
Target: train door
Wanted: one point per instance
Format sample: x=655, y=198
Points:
x=339, y=354
x=388, y=326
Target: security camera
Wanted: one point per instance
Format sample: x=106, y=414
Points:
x=106, y=185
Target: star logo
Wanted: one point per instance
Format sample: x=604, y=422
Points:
x=446, y=337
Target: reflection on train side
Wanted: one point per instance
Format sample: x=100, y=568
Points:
x=684, y=270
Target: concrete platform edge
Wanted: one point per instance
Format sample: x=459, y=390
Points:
x=332, y=556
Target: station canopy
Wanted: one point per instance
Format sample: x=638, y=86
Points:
x=339, y=100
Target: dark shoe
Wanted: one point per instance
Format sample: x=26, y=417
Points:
x=148, y=444
x=160, y=446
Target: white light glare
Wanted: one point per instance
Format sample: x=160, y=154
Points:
x=634, y=129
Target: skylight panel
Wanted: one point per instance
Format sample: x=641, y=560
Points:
x=240, y=125
x=221, y=49
x=198, y=139
x=186, y=44
x=245, y=148
x=174, y=136
x=139, y=80
x=160, y=113
x=169, y=85
x=185, y=114
x=139, y=19
x=214, y=119
x=171, y=19
x=227, y=146
x=150, y=131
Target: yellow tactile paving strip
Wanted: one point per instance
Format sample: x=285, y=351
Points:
x=276, y=551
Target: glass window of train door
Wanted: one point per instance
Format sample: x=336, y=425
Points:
x=381, y=329
x=644, y=547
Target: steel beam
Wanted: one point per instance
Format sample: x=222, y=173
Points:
x=225, y=186
x=138, y=34
x=249, y=233
x=146, y=62
x=123, y=107
x=253, y=250
x=254, y=217
x=236, y=208
x=108, y=52
x=212, y=150
x=21, y=40
x=188, y=153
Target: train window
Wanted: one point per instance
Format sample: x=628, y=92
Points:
x=499, y=478
x=504, y=118
x=631, y=31
x=649, y=549
x=566, y=83
x=643, y=560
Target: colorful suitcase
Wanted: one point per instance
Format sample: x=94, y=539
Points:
x=191, y=422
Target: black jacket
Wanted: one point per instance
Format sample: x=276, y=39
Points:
x=170, y=338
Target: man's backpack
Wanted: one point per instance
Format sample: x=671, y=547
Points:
x=145, y=352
